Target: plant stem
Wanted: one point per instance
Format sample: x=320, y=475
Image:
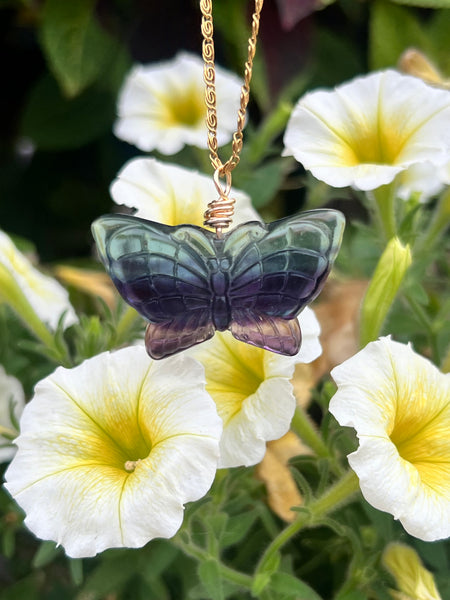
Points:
x=271, y=127
x=329, y=501
x=303, y=425
x=383, y=206
x=426, y=323
x=437, y=227
x=241, y=579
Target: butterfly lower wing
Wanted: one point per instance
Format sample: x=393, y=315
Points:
x=271, y=333
x=280, y=268
x=165, y=339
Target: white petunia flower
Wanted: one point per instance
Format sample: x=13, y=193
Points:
x=45, y=295
x=252, y=390
x=12, y=401
x=111, y=450
x=171, y=194
x=367, y=131
x=162, y=106
x=399, y=404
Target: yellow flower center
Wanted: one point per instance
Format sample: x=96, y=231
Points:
x=373, y=143
x=188, y=110
x=237, y=374
x=421, y=435
x=117, y=437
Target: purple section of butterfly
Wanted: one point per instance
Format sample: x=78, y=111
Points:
x=188, y=283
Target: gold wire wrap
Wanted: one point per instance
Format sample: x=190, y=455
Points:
x=220, y=212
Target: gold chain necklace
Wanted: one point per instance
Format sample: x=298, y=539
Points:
x=220, y=212
x=189, y=282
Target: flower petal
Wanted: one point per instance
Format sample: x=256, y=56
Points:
x=367, y=131
x=171, y=194
x=112, y=450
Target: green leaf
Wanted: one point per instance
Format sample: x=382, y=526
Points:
x=262, y=183
x=25, y=588
x=54, y=123
x=395, y=28
x=156, y=558
x=8, y=545
x=111, y=575
x=46, y=553
x=210, y=577
x=383, y=287
x=382, y=523
x=438, y=28
x=425, y=3
x=217, y=525
x=335, y=58
x=238, y=527
x=199, y=592
x=288, y=587
x=352, y=595
x=392, y=30
x=77, y=50
x=76, y=570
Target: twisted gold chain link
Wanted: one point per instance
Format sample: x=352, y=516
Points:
x=210, y=91
x=220, y=212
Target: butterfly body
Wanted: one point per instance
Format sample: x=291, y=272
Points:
x=188, y=283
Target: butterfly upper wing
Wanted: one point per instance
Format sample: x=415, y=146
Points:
x=280, y=268
x=161, y=271
x=276, y=271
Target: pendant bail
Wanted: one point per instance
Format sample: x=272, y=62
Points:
x=220, y=211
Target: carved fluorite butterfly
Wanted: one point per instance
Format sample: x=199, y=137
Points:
x=187, y=282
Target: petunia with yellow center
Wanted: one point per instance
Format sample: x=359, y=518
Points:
x=171, y=194
x=399, y=404
x=252, y=390
x=188, y=110
x=162, y=106
x=111, y=450
x=369, y=130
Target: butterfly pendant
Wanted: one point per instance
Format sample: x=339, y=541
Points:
x=188, y=282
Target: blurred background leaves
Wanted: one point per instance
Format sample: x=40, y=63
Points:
x=63, y=64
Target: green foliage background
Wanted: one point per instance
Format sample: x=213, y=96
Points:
x=63, y=65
